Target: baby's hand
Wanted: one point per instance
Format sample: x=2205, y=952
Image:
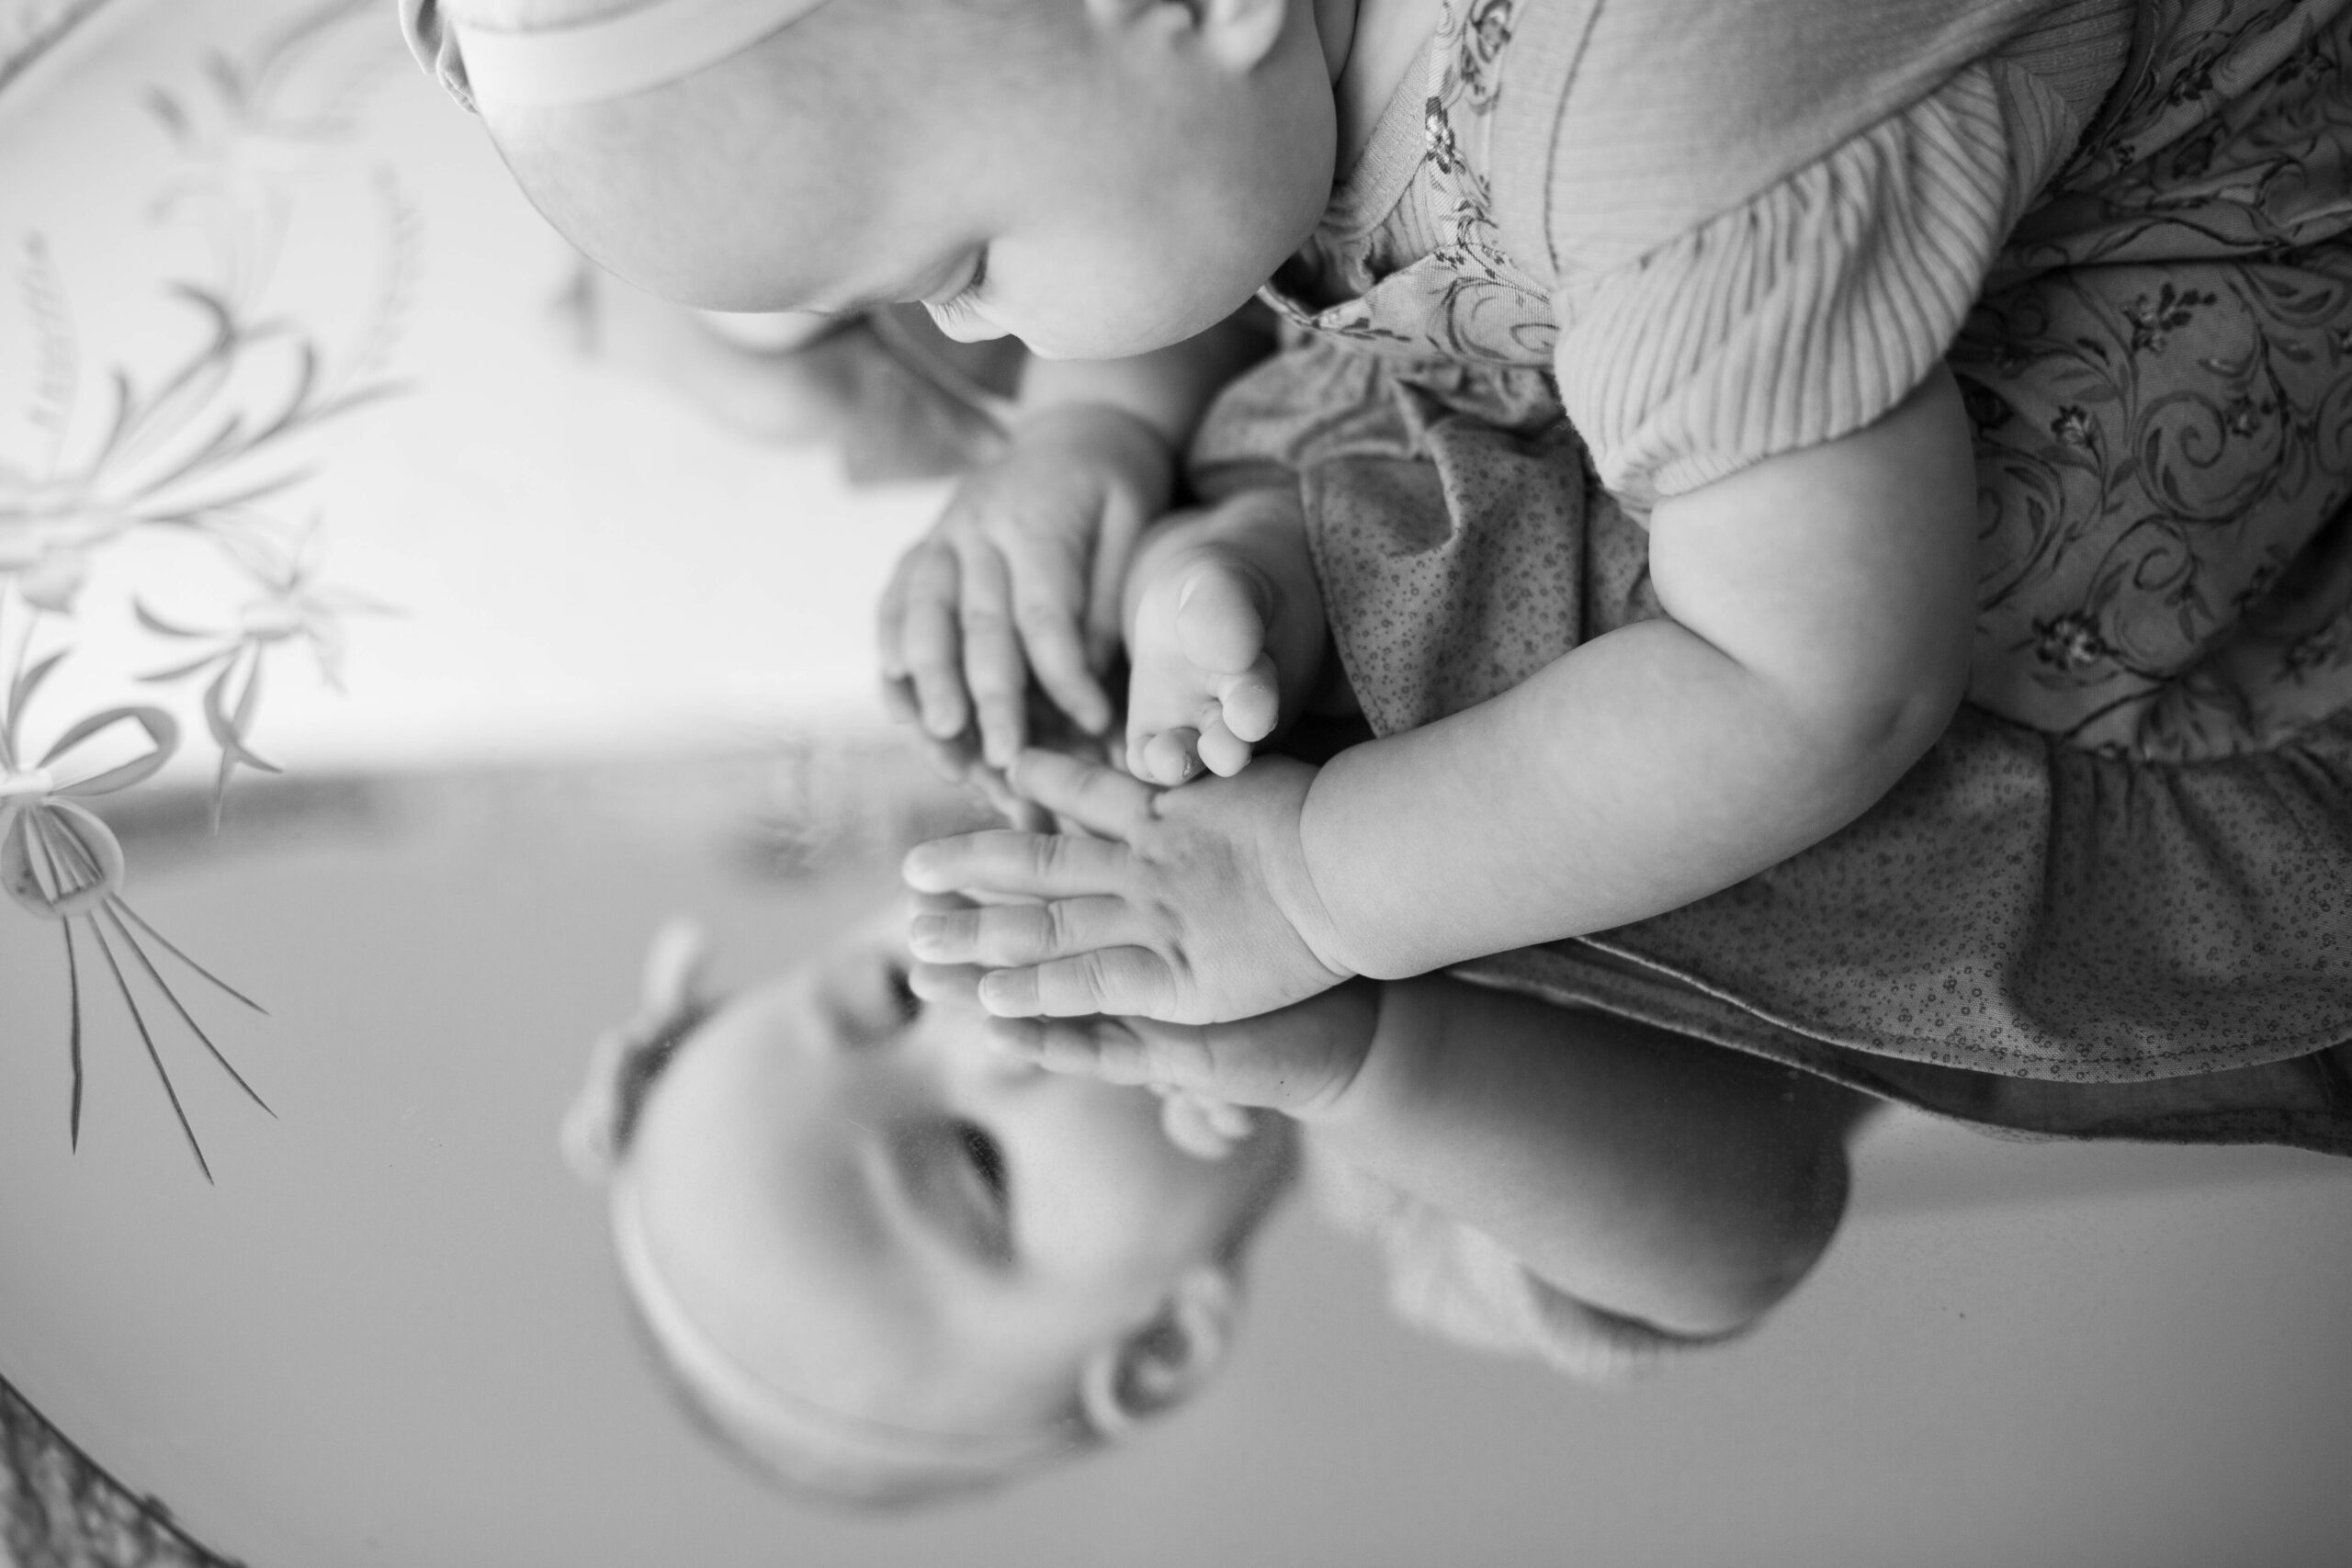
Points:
x=1193, y=907
x=1298, y=1061
x=1022, y=573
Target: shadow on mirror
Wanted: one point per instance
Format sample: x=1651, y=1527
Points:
x=463, y=1098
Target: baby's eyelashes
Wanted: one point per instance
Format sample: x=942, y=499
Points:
x=986, y=1155
x=958, y=315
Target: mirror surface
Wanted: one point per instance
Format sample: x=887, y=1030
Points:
x=601, y=662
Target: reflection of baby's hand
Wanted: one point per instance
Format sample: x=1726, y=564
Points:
x=1298, y=1061
x=1193, y=906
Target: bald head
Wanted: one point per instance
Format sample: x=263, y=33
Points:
x=1098, y=177
x=521, y=16
x=706, y=189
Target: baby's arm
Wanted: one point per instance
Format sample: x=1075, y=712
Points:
x=1822, y=606
x=1646, y=1175
x=1650, y=1176
x=1024, y=571
x=1823, y=611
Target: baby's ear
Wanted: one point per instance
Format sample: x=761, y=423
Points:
x=1205, y=1128
x=672, y=985
x=1160, y=1366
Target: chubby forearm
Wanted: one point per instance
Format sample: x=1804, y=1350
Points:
x=1167, y=390
x=1820, y=610
x=1642, y=771
x=1645, y=1174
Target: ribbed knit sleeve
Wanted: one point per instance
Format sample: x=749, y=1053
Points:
x=1811, y=308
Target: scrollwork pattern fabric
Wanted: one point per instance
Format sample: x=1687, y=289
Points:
x=2128, y=862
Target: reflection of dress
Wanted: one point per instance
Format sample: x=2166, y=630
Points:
x=2130, y=860
x=57, y=1508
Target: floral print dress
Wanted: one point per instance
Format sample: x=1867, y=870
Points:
x=2116, y=898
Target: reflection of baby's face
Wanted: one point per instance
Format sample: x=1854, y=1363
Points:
x=866, y=1205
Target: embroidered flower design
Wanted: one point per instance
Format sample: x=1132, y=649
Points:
x=2071, y=425
x=2070, y=642
x=1485, y=33
x=2318, y=651
x=2172, y=309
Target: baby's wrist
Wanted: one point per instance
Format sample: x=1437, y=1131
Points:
x=1349, y=1016
x=1334, y=935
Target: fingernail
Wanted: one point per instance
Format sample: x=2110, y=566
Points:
x=926, y=931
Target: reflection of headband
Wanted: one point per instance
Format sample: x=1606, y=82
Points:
x=795, y=1436
x=610, y=57
x=781, y=1428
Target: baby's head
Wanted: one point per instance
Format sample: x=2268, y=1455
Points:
x=883, y=1262
x=1099, y=178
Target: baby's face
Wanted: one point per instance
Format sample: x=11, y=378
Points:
x=868, y=1208
x=1111, y=189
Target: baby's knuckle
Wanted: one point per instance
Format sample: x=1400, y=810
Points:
x=1048, y=855
x=993, y=682
x=1097, y=981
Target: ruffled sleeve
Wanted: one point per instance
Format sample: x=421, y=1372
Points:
x=1811, y=308
x=1463, y=1285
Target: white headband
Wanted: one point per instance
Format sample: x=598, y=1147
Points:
x=788, y=1431
x=782, y=1428
x=611, y=57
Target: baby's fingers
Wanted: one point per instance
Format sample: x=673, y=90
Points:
x=926, y=648
x=1036, y=865
x=994, y=671
x=946, y=985
x=1101, y=799
x=1003, y=934
x=1073, y=1047
x=1122, y=980
x=1107, y=1049
x=1048, y=593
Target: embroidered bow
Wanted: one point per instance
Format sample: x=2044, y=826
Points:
x=59, y=862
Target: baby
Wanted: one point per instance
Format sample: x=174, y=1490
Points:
x=1730, y=253
x=884, y=1258
x=1112, y=184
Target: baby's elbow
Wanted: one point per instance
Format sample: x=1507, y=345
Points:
x=1777, y=1238
x=1876, y=726
x=1897, y=730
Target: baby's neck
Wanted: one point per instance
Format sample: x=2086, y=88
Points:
x=1372, y=46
